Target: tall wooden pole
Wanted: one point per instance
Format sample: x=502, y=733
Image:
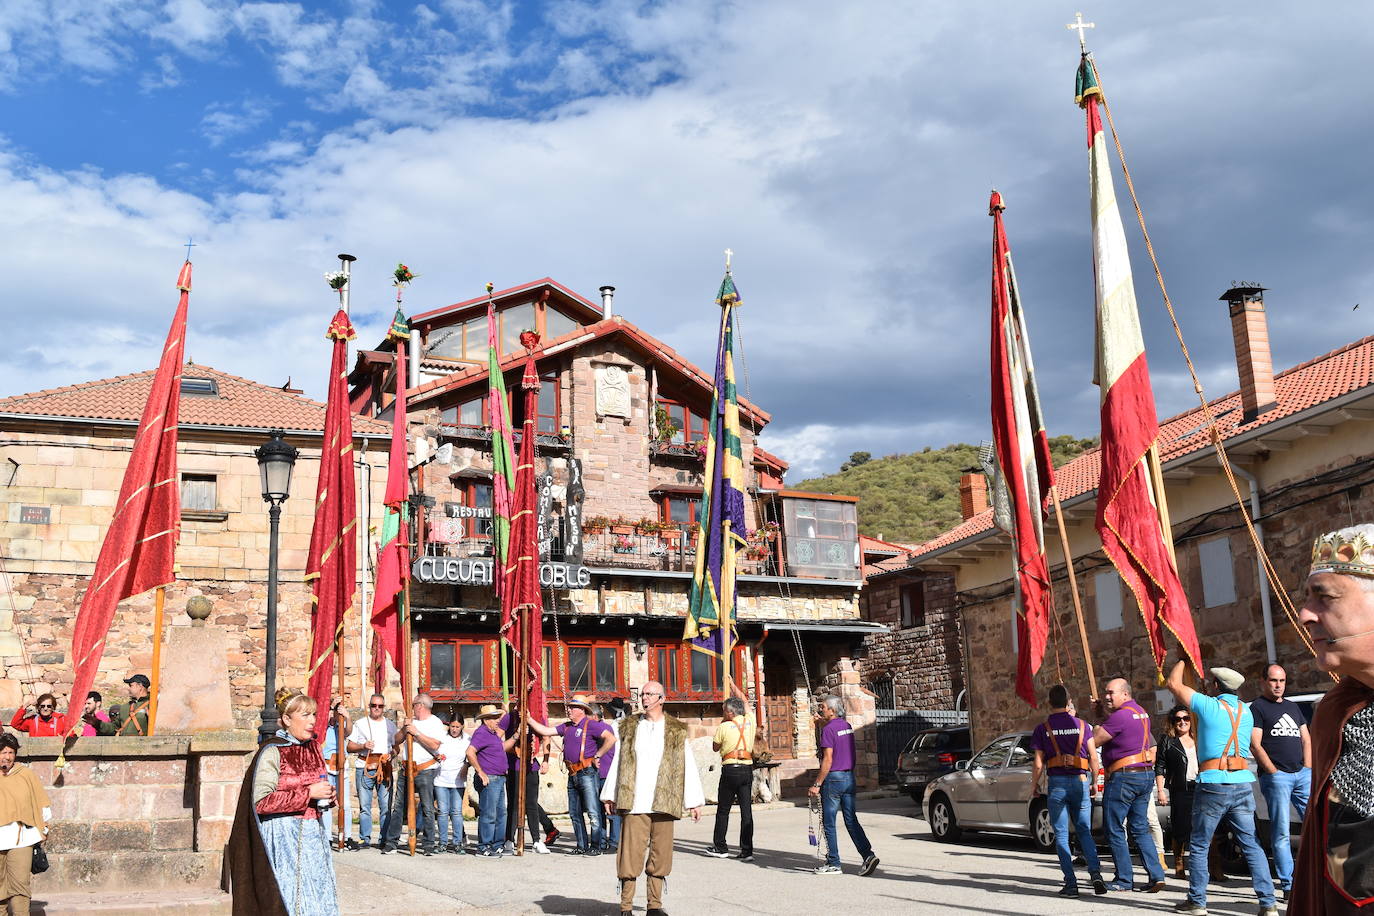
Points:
x=406, y=699
x=340, y=731
x=522, y=680
x=1166, y=528
x=1073, y=591
x=159, y=600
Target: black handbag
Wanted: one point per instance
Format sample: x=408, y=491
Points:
x=40, y=860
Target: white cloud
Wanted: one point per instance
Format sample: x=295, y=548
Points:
x=223, y=121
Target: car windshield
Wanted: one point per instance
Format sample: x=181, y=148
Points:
x=993, y=755
x=931, y=741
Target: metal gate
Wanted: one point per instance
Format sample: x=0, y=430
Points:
x=896, y=728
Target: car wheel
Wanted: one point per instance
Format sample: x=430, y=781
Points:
x=1042, y=829
x=943, y=823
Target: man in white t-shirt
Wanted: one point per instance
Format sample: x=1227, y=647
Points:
x=371, y=739
x=449, y=786
x=427, y=732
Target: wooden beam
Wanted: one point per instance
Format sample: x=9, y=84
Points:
x=1312, y=429
x=1357, y=413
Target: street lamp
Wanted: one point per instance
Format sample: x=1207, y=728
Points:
x=275, y=460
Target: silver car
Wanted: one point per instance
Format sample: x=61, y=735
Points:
x=992, y=791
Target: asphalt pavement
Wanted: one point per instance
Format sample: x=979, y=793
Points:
x=983, y=874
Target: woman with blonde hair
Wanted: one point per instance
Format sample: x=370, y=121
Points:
x=279, y=860
x=24, y=815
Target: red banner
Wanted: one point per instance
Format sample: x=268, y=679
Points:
x=393, y=560
x=522, y=602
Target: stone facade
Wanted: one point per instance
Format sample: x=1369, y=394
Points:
x=923, y=659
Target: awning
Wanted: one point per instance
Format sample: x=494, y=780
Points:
x=675, y=489
x=838, y=626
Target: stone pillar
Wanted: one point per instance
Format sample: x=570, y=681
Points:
x=193, y=688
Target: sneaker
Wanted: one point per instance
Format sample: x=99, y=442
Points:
x=828, y=870
x=718, y=851
x=1069, y=890
x=577, y=851
x=1099, y=886
x=426, y=852
x=744, y=857
x=870, y=865
x=508, y=849
x=1268, y=910
x=540, y=848
x=388, y=850
x=592, y=851
x=552, y=836
x=1119, y=885
x=1191, y=908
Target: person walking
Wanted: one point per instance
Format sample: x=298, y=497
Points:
x=450, y=785
x=835, y=786
x=1334, y=874
x=1175, y=777
x=1224, y=785
x=652, y=783
x=1064, y=747
x=487, y=749
x=25, y=812
x=734, y=741
x=1283, y=749
x=371, y=740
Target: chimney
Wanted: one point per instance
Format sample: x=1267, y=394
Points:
x=1250, y=329
x=607, y=296
x=973, y=493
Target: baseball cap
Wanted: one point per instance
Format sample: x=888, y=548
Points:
x=139, y=679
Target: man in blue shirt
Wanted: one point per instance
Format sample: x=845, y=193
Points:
x=1224, y=787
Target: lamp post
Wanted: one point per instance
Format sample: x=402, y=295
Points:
x=275, y=460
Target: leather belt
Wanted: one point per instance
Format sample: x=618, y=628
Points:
x=1135, y=761
x=580, y=765
x=1225, y=764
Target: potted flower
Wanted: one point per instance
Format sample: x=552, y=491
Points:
x=596, y=524
x=647, y=526
x=622, y=525
x=670, y=532
x=623, y=544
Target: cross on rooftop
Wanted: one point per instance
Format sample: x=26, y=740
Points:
x=1079, y=25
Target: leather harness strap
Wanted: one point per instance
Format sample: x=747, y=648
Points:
x=1060, y=759
x=1228, y=762
x=740, y=752
x=1135, y=760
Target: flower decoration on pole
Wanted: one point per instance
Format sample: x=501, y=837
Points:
x=337, y=280
x=403, y=276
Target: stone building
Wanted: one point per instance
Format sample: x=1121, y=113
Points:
x=1300, y=443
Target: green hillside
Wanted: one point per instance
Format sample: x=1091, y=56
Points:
x=914, y=497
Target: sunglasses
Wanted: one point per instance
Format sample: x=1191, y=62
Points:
x=45, y=706
x=1183, y=718
x=376, y=705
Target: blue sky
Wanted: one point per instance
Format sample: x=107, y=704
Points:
x=843, y=151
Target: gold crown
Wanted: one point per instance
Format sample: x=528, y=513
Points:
x=1348, y=552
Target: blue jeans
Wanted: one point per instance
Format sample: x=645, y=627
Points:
x=1235, y=802
x=584, y=791
x=610, y=823
x=1070, y=803
x=424, y=808
x=837, y=794
x=450, y=799
x=367, y=787
x=341, y=799
x=1127, y=796
x=491, y=824
x=1279, y=789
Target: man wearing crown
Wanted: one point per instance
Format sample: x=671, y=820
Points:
x=1335, y=869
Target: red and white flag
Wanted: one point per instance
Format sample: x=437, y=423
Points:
x=1128, y=518
x=140, y=544
x=1023, y=458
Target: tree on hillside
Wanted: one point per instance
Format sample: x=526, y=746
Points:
x=856, y=459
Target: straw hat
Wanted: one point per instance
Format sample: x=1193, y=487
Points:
x=490, y=711
x=581, y=699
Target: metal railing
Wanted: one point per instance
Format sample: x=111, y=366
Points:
x=668, y=551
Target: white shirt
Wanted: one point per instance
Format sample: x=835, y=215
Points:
x=648, y=758
x=431, y=728
x=381, y=732
x=454, y=751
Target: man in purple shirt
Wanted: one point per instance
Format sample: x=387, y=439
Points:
x=585, y=744
x=1127, y=754
x=534, y=813
x=835, y=785
x=1064, y=745
x=487, y=758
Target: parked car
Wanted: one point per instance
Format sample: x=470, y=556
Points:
x=930, y=754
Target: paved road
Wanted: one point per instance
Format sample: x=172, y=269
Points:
x=984, y=874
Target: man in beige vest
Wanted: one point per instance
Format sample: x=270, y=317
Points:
x=652, y=782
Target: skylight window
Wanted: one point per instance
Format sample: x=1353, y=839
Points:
x=200, y=387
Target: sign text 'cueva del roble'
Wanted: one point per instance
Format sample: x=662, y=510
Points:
x=477, y=571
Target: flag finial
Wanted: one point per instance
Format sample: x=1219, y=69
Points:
x=1079, y=26
x=728, y=255
x=189, y=245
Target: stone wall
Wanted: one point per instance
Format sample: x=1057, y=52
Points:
x=925, y=662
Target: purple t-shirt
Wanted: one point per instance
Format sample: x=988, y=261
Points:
x=513, y=759
x=490, y=753
x=1129, y=726
x=838, y=735
x=604, y=769
x=581, y=741
x=1069, y=731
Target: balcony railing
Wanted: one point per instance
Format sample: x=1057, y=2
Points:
x=668, y=551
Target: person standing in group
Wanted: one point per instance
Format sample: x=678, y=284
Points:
x=131, y=718
x=1283, y=750
x=24, y=812
x=487, y=749
x=450, y=785
x=610, y=822
x=835, y=785
x=1064, y=747
x=1175, y=778
x=1124, y=742
x=427, y=731
x=371, y=740
x=1224, y=789
x=652, y=783
x=734, y=741
x=585, y=742
x=338, y=724
x=92, y=715
x=535, y=818
x=278, y=853
x=39, y=718
x=1334, y=874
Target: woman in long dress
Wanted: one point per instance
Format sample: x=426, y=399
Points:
x=279, y=857
x=24, y=815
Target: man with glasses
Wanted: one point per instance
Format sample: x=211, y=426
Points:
x=653, y=781
x=371, y=740
x=428, y=732
x=130, y=718
x=1283, y=751
x=585, y=743
x=1127, y=750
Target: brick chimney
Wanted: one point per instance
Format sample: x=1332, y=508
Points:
x=973, y=493
x=1250, y=329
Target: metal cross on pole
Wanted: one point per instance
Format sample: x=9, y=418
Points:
x=1079, y=25
x=189, y=245
x=728, y=255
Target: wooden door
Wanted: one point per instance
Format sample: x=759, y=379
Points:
x=779, y=710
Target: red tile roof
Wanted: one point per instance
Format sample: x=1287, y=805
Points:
x=1308, y=385
x=573, y=298
x=768, y=458
x=241, y=403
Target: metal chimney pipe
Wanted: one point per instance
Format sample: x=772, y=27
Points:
x=345, y=265
x=607, y=297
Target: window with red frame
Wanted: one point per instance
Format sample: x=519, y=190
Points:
x=691, y=426
x=679, y=508
x=595, y=666
x=469, y=413
x=476, y=494
x=689, y=676
x=546, y=419
x=460, y=669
